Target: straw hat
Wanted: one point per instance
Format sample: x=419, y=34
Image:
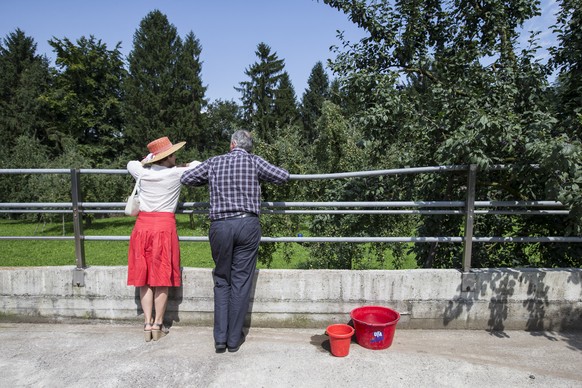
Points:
x=160, y=148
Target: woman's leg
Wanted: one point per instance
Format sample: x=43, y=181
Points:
x=160, y=301
x=146, y=295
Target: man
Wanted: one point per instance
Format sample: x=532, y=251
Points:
x=235, y=231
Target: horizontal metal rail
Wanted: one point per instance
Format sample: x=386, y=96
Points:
x=184, y=208
x=467, y=208
x=401, y=239
x=309, y=204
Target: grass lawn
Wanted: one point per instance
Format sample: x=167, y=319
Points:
x=16, y=253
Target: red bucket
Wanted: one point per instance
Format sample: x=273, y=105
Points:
x=375, y=326
x=340, y=337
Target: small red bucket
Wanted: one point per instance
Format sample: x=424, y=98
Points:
x=340, y=337
x=375, y=326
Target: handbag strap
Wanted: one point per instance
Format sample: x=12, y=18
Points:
x=136, y=186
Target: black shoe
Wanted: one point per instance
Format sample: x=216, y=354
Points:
x=220, y=347
x=236, y=348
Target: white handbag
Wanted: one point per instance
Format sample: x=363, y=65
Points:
x=132, y=205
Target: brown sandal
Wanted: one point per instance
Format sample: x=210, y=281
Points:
x=160, y=332
x=147, y=334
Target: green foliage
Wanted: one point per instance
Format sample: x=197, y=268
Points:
x=24, y=76
x=163, y=91
x=311, y=104
x=567, y=59
x=25, y=152
x=285, y=104
x=282, y=152
x=190, y=93
x=432, y=83
x=221, y=119
x=259, y=93
x=85, y=100
x=442, y=84
x=335, y=148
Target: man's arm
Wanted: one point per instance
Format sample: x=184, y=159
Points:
x=271, y=173
x=196, y=176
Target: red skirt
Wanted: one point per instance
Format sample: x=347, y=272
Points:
x=154, y=251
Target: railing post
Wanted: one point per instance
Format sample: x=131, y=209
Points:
x=79, y=273
x=469, y=217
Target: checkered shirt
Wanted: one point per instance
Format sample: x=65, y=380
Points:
x=234, y=181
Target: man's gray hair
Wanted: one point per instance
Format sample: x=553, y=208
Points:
x=242, y=139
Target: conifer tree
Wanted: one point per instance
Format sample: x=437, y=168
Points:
x=285, y=104
x=24, y=76
x=258, y=93
x=316, y=93
x=163, y=91
x=191, y=93
x=567, y=59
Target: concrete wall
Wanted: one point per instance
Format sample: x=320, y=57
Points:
x=497, y=299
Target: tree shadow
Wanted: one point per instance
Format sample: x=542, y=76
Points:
x=458, y=305
x=502, y=287
x=501, y=284
x=573, y=334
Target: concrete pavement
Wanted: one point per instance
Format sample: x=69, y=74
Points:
x=115, y=355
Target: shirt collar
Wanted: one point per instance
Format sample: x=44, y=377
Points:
x=157, y=167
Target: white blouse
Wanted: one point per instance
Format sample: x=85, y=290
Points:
x=159, y=188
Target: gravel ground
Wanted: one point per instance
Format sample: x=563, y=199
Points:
x=115, y=355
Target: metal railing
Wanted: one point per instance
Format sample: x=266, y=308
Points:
x=468, y=208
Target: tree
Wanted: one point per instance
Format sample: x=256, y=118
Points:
x=85, y=100
x=221, y=119
x=284, y=152
x=24, y=77
x=258, y=94
x=316, y=93
x=191, y=93
x=336, y=149
x=567, y=59
x=163, y=91
x=425, y=96
x=25, y=152
x=285, y=103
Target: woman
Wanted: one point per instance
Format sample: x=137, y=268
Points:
x=154, y=251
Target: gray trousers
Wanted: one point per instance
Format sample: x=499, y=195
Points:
x=234, y=244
